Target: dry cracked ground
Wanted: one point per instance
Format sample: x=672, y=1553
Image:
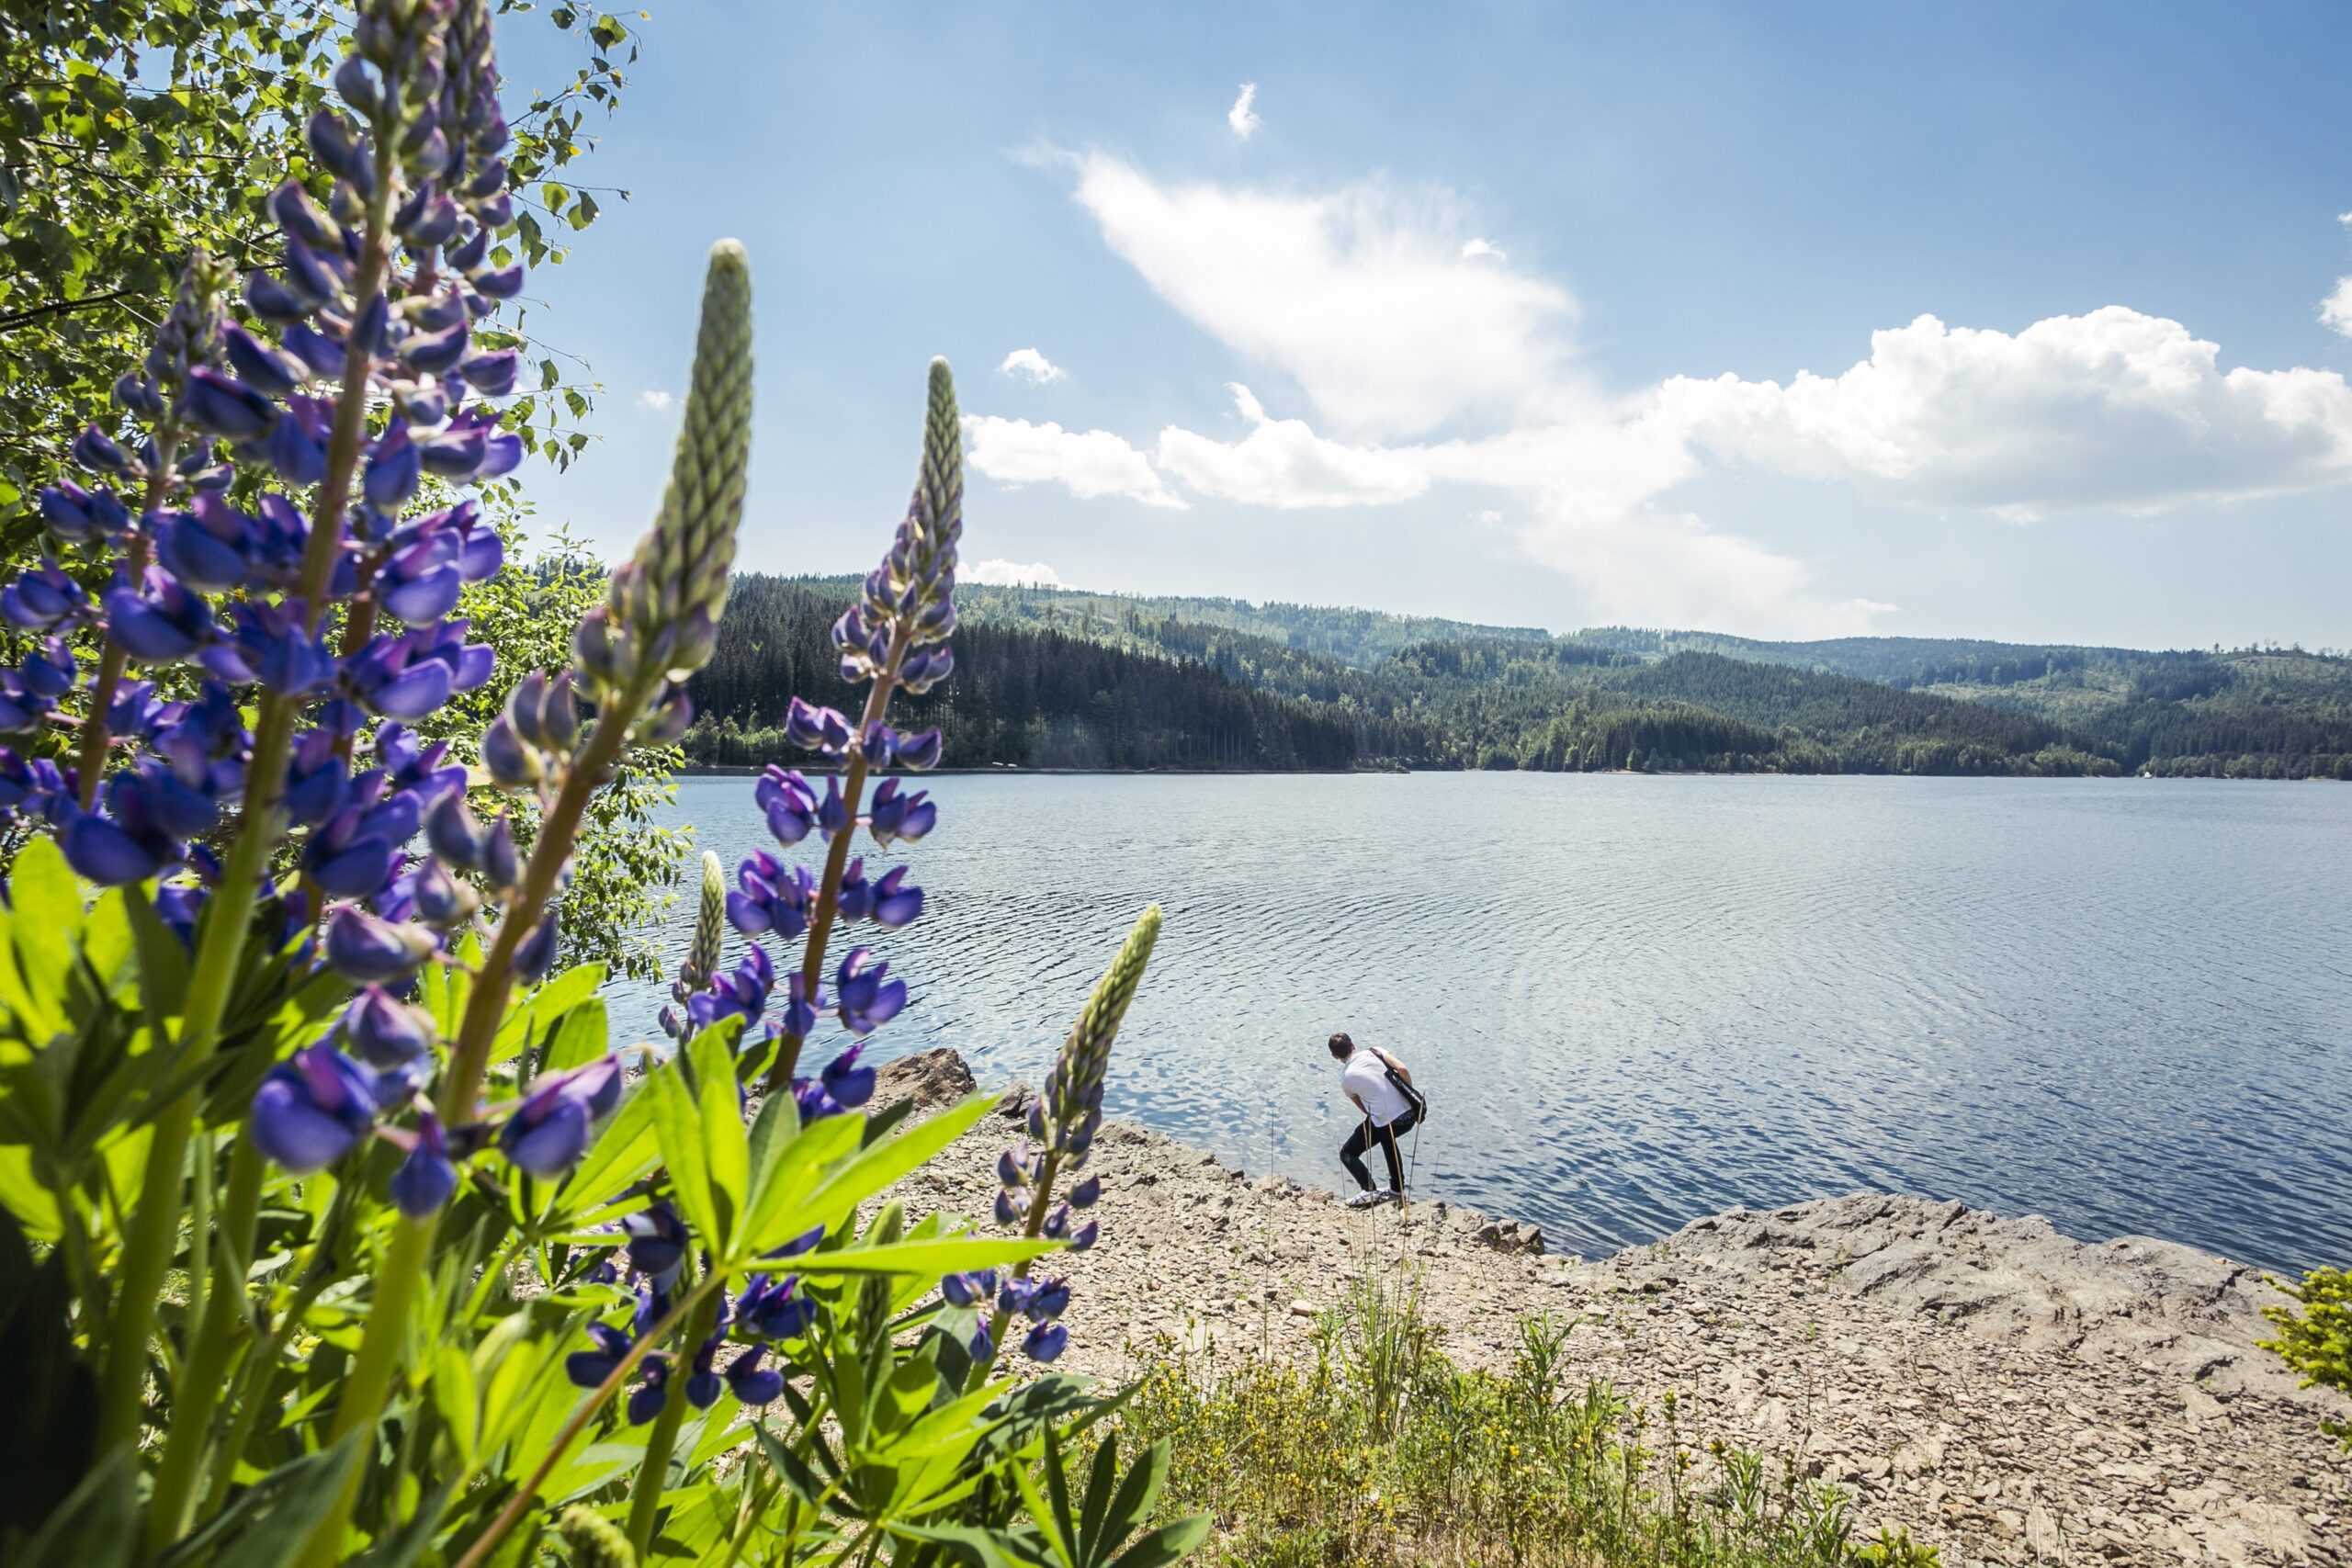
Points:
x=1997, y=1389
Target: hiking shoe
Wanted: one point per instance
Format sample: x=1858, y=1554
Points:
x=1367, y=1200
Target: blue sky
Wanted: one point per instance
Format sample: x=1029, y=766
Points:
x=1788, y=321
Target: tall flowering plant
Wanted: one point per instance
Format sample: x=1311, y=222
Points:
x=331, y=1228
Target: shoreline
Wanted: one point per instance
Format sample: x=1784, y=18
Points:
x=746, y=769
x=2002, y=1392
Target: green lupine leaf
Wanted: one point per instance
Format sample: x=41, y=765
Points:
x=877, y=1167
x=678, y=1125
x=726, y=1146
x=932, y=1258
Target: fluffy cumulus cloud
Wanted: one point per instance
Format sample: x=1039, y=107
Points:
x=1361, y=297
x=1011, y=574
x=1281, y=462
x=655, y=399
x=1242, y=117
x=1031, y=366
x=2113, y=409
x=1088, y=463
x=1424, y=359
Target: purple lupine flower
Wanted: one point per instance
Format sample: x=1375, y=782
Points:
x=896, y=815
x=895, y=903
x=386, y=1033
x=866, y=1002
x=703, y=1385
x=833, y=815
x=42, y=597
x=221, y=405
x=80, y=516
x=453, y=834
x=366, y=949
x=646, y=1400
x=968, y=1290
x=312, y=1108
x=427, y=1180
x=853, y=900
x=850, y=1085
x=1045, y=1342
x=789, y=803
x=750, y=1382
x=1083, y=1238
x=549, y=1131
x=774, y=898
x=535, y=955
x=589, y=1368
x=268, y=644
x=800, y=1007
x=743, y=994
x=1087, y=1193
x=814, y=728
x=921, y=752
x=657, y=1243
x=160, y=622
x=775, y=1309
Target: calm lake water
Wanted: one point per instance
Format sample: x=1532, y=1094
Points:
x=1634, y=1000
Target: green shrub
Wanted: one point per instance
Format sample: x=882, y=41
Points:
x=2317, y=1342
x=1383, y=1450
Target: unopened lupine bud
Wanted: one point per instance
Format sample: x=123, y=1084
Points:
x=513, y=761
x=501, y=864
x=1073, y=1091
x=710, y=921
x=683, y=561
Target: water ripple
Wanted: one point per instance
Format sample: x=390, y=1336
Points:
x=1634, y=1000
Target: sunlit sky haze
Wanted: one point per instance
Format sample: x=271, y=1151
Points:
x=2003, y=321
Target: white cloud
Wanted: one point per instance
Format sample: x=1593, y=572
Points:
x=1360, y=296
x=1281, y=462
x=2109, y=409
x=1087, y=463
x=2336, y=308
x=1241, y=116
x=654, y=398
x=1031, y=364
x=1011, y=574
x=1400, y=327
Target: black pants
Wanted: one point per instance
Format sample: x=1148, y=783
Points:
x=1352, y=1153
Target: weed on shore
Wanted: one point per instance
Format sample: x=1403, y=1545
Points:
x=1384, y=1450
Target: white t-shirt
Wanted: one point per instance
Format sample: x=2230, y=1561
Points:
x=1366, y=1076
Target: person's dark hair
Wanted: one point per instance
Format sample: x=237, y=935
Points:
x=1341, y=1047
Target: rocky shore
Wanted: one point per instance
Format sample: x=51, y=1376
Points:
x=1999, y=1390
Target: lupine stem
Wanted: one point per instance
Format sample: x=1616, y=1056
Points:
x=153, y=1232
x=653, y=1470
x=528, y=1491
x=371, y=1378
x=90, y=762
x=829, y=891
x=1003, y=1319
x=209, y=1345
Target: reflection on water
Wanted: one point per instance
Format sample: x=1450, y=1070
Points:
x=1634, y=1000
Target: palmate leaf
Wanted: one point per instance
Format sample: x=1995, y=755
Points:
x=837, y=1196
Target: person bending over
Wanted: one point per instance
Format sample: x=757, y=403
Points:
x=1368, y=1077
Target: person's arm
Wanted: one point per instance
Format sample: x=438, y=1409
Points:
x=1359, y=1104
x=1393, y=1065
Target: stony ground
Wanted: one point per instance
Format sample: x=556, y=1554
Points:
x=1997, y=1389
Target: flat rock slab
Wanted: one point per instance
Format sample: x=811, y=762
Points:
x=2004, y=1392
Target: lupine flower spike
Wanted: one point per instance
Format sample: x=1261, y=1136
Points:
x=1063, y=1121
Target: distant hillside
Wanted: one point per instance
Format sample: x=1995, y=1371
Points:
x=1048, y=675
x=1023, y=696
x=1358, y=637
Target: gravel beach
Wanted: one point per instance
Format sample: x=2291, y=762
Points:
x=2002, y=1392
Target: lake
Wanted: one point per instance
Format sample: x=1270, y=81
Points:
x=1633, y=1000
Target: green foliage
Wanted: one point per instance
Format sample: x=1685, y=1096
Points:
x=626, y=865
x=132, y=131
x=2317, y=1341
x=1028, y=697
x=1384, y=1451
x=1357, y=688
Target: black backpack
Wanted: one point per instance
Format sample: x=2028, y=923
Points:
x=1413, y=1097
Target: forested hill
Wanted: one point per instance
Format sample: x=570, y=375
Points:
x=1019, y=696
x=1052, y=677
